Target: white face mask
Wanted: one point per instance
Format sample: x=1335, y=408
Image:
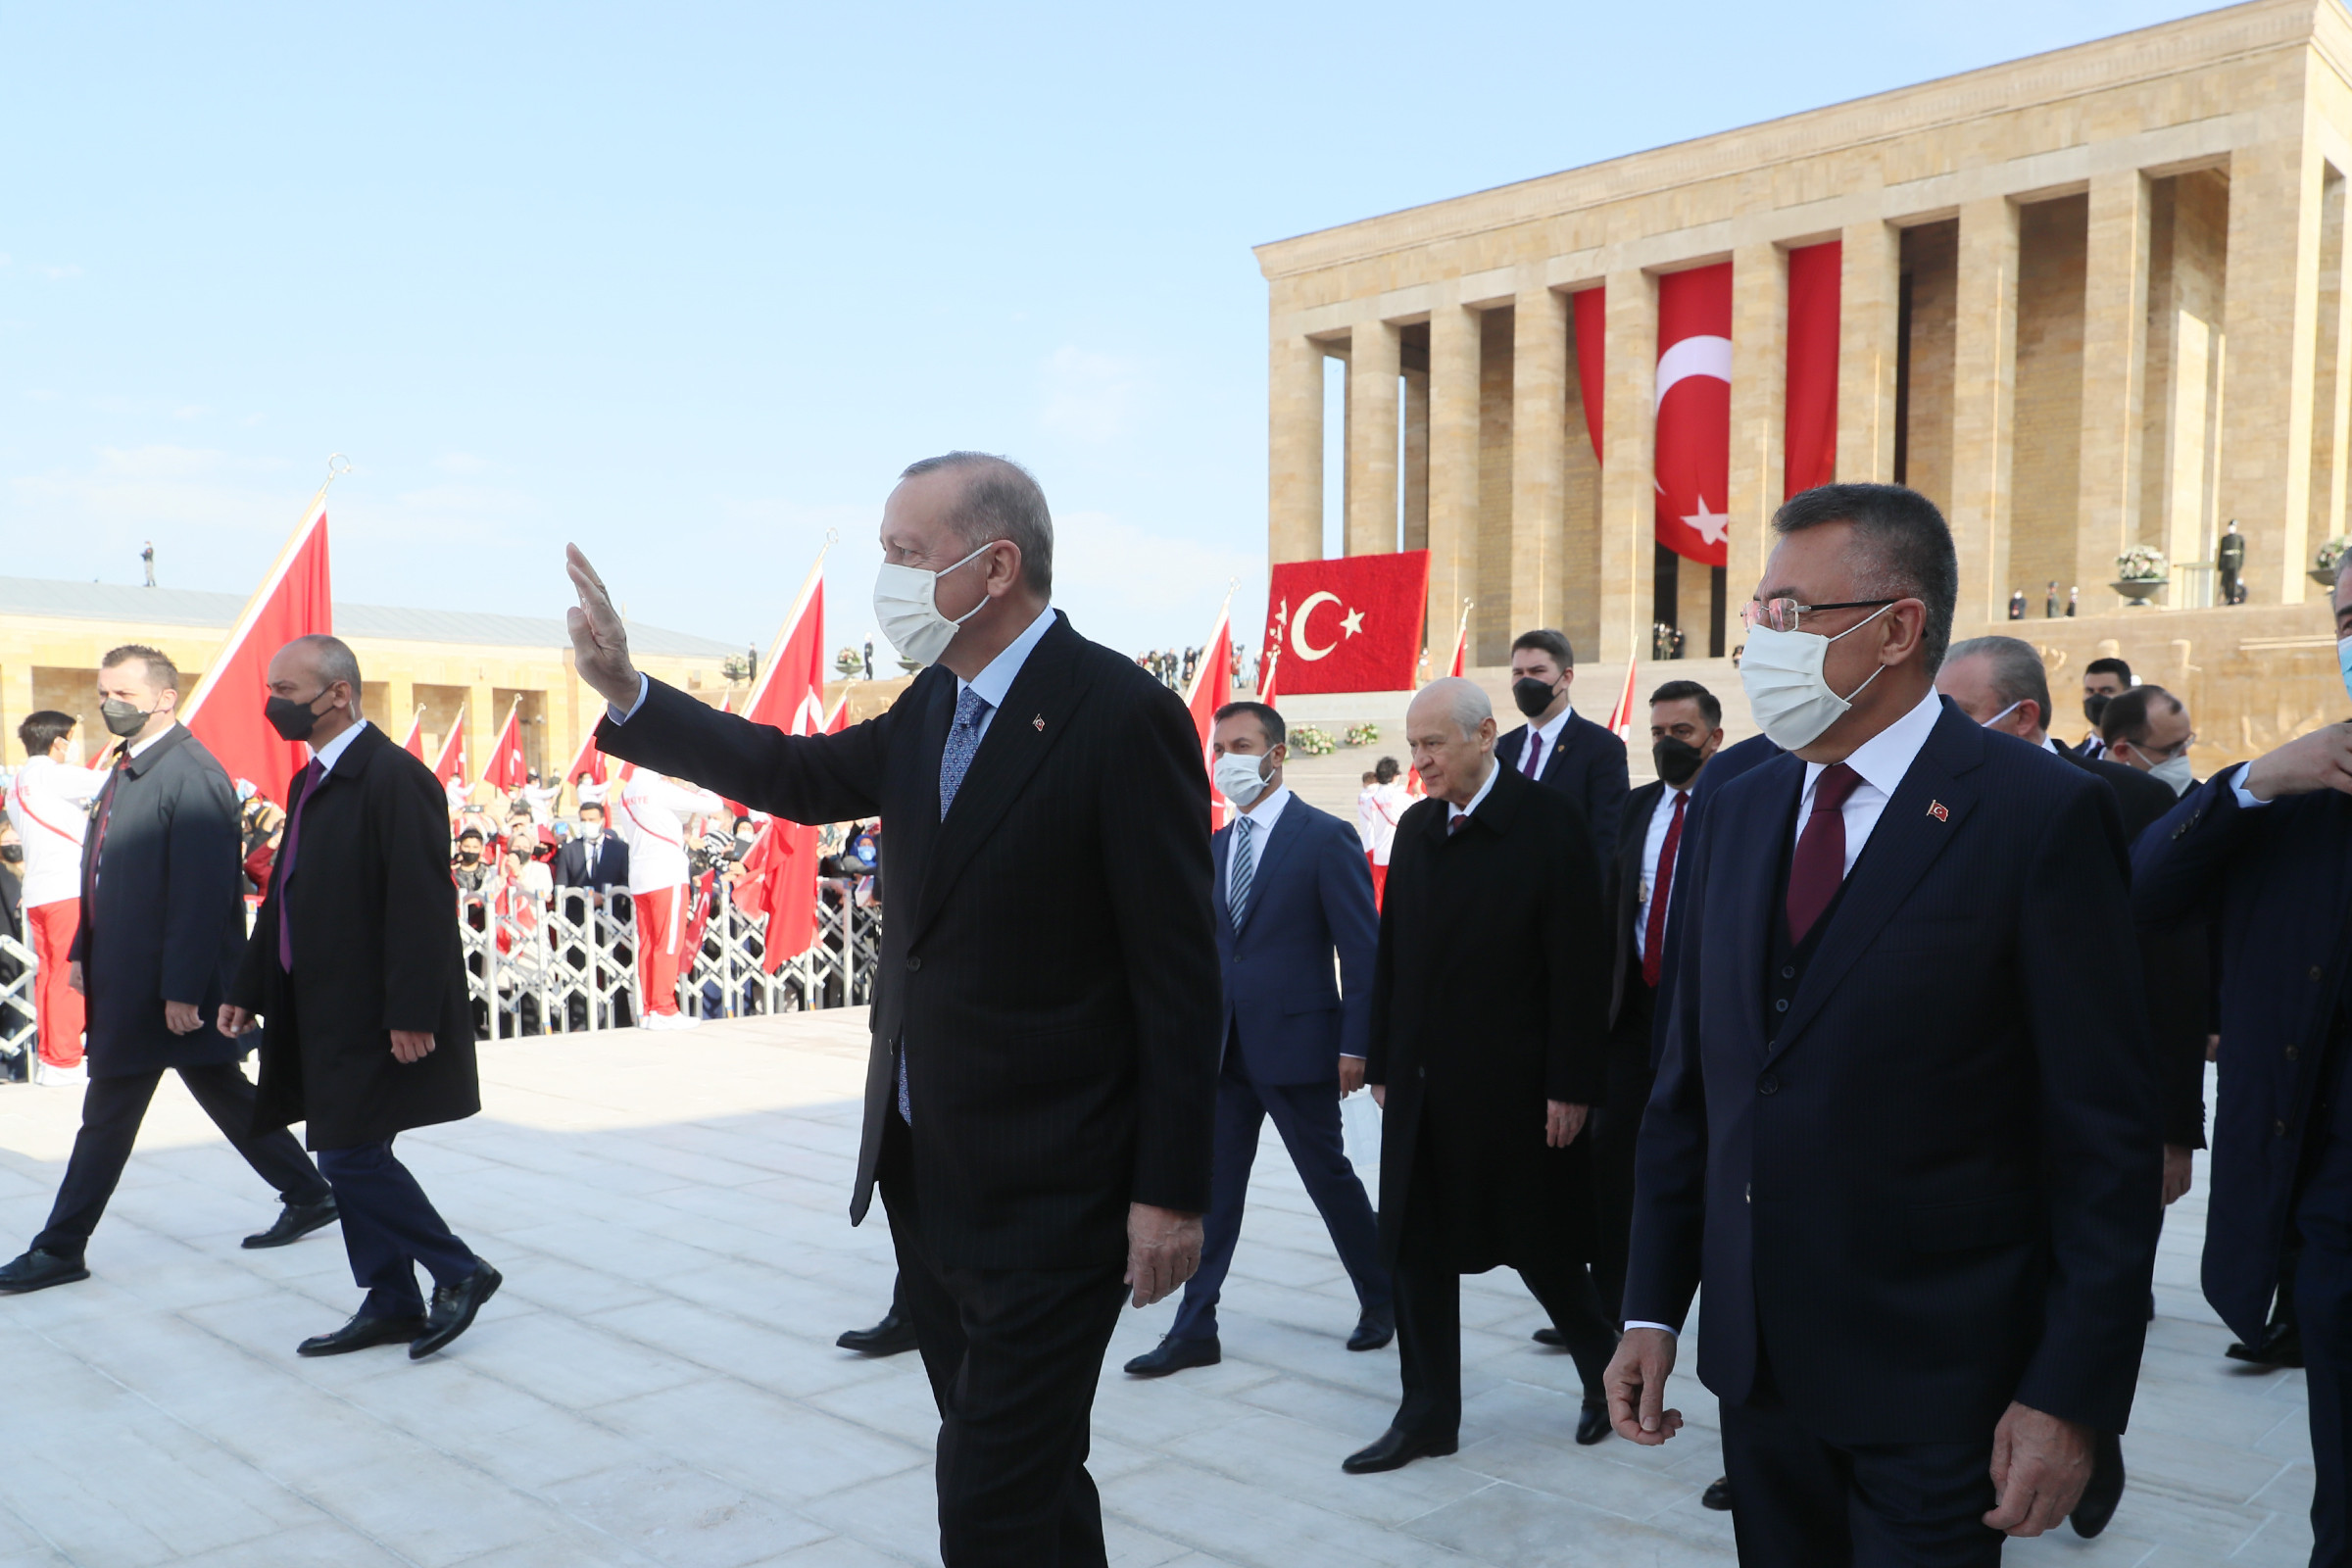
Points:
x=1785, y=689
x=1238, y=778
x=904, y=606
x=2343, y=659
x=2174, y=774
x=592, y=831
x=2004, y=712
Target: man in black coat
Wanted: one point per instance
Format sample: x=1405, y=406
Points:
x=1492, y=886
x=162, y=921
x=1558, y=745
x=355, y=963
x=1041, y=1095
x=1905, y=1123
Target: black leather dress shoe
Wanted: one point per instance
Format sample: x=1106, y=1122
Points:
x=294, y=1222
x=1173, y=1354
x=2105, y=1489
x=1396, y=1450
x=362, y=1333
x=2280, y=1345
x=1372, y=1331
x=454, y=1306
x=1592, y=1423
x=890, y=1336
x=1718, y=1495
x=38, y=1270
x=1547, y=1335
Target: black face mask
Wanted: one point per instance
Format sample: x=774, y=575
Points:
x=1532, y=696
x=1678, y=761
x=2095, y=707
x=12, y=854
x=293, y=720
x=122, y=719
x=469, y=856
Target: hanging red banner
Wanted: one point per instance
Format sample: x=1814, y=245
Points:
x=1694, y=396
x=1810, y=435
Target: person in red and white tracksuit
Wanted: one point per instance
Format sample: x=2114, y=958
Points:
x=652, y=820
x=49, y=801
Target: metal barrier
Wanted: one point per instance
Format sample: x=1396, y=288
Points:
x=564, y=963
x=16, y=1025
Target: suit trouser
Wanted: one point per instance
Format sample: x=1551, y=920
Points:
x=389, y=1227
x=1801, y=1501
x=2323, y=1295
x=1013, y=1356
x=57, y=1006
x=1614, y=1138
x=660, y=916
x=1308, y=1116
x=1429, y=1318
x=112, y=1110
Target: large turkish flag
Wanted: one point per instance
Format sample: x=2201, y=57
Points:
x=1352, y=623
x=1695, y=413
x=295, y=600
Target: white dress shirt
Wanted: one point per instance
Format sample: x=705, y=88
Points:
x=996, y=679
x=333, y=752
x=1654, y=848
x=50, y=803
x=1262, y=817
x=1455, y=813
x=1539, y=741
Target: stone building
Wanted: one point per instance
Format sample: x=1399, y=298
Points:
x=2088, y=300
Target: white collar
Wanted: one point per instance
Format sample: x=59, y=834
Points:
x=1884, y=757
x=1262, y=814
x=2049, y=745
x=136, y=747
x=1548, y=732
x=996, y=679
x=1484, y=790
x=326, y=756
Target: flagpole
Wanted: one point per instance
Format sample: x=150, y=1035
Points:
x=252, y=612
x=792, y=619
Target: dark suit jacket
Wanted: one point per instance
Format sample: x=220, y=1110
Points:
x=374, y=920
x=1621, y=889
x=2270, y=882
x=1936, y=1190
x=609, y=868
x=1588, y=764
x=1310, y=897
x=1508, y=908
x=2141, y=800
x=1046, y=962
x=167, y=920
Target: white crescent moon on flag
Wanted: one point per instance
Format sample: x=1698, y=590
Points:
x=1298, y=643
x=1694, y=356
x=811, y=718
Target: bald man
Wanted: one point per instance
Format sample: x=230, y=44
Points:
x=1494, y=895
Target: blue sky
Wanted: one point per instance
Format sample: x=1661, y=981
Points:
x=689, y=283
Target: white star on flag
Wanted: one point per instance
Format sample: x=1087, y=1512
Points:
x=1711, y=525
x=1352, y=622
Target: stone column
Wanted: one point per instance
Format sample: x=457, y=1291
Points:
x=1538, y=453
x=1869, y=316
x=1294, y=449
x=1372, y=370
x=2331, y=379
x=1983, y=409
x=1414, y=483
x=1759, y=416
x=2269, y=321
x=1629, y=513
x=2114, y=352
x=1453, y=367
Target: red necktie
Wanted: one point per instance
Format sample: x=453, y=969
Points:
x=1654, y=931
x=106, y=812
x=1819, y=866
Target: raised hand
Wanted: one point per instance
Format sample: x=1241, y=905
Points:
x=2318, y=760
x=600, y=642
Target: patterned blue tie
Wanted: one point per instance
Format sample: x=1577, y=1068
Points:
x=963, y=739
x=1244, y=867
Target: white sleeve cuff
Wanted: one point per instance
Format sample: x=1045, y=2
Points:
x=1636, y=1323
x=612, y=710
x=2238, y=787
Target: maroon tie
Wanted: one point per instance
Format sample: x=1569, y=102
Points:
x=308, y=778
x=1654, y=931
x=1528, y=763
x=1819, y=866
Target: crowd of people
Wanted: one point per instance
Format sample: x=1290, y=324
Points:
x=1887, y=1028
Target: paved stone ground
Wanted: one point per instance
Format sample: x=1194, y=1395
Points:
x=657, y=1382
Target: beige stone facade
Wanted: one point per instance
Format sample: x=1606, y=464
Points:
x=2090, y=298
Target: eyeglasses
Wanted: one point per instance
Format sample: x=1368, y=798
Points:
x=1782, y=614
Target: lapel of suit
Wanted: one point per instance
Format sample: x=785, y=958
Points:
x=1220, y=854
x=1910, y=834
x=1270, y=853
x=1035, y=711
x=1757, y=834
x=1557, y=758
x=1632, y=844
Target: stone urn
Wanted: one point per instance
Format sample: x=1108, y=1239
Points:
x=2138, y=590
x=2324, y=576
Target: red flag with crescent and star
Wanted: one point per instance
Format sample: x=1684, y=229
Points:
x=1352, y=623
x=790, y=693
x=225, y=711
x=1695, y=413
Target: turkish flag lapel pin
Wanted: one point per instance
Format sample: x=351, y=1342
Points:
x=1939, y=812
x=1040, y=722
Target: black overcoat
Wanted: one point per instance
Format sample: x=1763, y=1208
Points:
x=375, y=948
x=166, y=921
x=1491, y=997
x=1047, y=964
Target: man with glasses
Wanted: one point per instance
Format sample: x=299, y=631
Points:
x=2147, y=728
x=1905, y=1123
